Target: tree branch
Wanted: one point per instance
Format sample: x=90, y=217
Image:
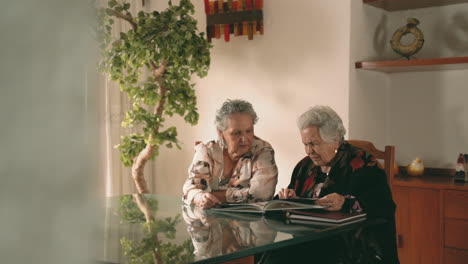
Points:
x=128, y=17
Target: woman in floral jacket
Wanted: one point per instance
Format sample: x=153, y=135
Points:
x=237, y=168
x=341, y=176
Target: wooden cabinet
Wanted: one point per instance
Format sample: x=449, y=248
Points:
x=418, y=227
x=456, y=205
x=454, y=256
x=455, y=226
x=431, y=219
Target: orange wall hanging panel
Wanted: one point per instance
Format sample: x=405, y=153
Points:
x=237, y=17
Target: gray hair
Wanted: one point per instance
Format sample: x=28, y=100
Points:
x=230, y=107
x=326, y=119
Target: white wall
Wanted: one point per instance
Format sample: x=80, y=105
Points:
x=301, y=60
x=369, y=93
x=424, y=114
x=431, y=120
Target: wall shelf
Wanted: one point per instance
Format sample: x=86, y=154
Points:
x=435, y=64
x=396, y=5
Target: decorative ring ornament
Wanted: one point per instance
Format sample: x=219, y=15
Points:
x=410, y=49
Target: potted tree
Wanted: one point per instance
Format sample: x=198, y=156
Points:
x=153, y=62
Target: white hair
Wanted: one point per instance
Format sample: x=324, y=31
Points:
x=326, y=120
x=230, y=107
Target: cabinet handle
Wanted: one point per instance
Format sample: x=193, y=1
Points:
x=400, y=241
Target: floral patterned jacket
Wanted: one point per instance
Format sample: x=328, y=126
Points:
x=215, y=235
x=254, y=176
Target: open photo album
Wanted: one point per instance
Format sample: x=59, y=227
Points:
x=274, y=205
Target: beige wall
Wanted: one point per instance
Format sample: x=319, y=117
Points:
x=424, y=114
x=302, y=60
x=368, y=91
x=431, y=120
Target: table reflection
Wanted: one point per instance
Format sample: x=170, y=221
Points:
x=147, y=231
x=216, y=234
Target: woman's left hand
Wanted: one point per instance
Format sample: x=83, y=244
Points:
x=333, y=200
x=286, y=193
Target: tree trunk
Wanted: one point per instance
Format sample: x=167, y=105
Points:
x=138, y=167
x=140, y=161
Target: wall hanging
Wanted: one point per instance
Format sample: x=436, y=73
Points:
x=240, y=18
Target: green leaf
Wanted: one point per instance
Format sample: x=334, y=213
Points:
x=109, y=12
x=112, y=3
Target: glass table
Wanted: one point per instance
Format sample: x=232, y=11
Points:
x=160, y=229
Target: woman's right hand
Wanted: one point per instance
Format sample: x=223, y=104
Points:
x=206, y=200
x=285, y=193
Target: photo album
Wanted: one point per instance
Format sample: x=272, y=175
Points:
x=273, y=205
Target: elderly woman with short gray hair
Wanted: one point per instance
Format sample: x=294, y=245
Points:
x=341, y=176
x=238, y=167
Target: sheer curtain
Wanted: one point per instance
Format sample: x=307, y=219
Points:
x=113, y=105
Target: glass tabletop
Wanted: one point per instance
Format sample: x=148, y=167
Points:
x=160, y=229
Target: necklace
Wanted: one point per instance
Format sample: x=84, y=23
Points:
x=325, y=169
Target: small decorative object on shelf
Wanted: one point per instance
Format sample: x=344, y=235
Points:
x=408, y=50
x=415, y=168
x=466, y=167
x=238, y=17
x=461, y=168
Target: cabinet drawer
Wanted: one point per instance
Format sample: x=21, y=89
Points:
x=456, y=204
x=455, y=256
x=456, y=232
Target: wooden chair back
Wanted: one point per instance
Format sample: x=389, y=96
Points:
x=388, y=156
